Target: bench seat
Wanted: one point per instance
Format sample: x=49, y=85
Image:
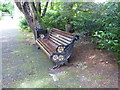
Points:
x=48, y=45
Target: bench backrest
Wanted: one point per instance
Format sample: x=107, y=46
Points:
x=60, y=37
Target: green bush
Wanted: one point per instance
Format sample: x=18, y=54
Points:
x=108, y=40
x=80, y=19
x=7, y=7
x=23, y=25
x=53, y=19
x=108, y=36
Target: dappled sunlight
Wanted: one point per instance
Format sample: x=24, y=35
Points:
x=42, y=83
x=8, y=23
x=91, y=57
x=100, y=1
x=5, y=40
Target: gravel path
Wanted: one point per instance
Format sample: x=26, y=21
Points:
x=19, y=58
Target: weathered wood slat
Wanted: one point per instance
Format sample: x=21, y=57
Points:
x=62, y=43
x=45, y=48
x=63, y=32
x=54, y=32
x=66, y=38
x=46, y=52
x=63, y=39
x=54, y=41
x=48, y=45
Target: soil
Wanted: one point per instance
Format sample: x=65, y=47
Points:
x=24, y=66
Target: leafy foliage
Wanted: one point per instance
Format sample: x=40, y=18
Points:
x=100, y=21
x=53, y=19
x=106, y=39
x=7, y=7
x=23, y=25
x=109, y=36
x=80, y=16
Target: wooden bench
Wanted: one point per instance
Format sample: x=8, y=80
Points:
x=56, y=44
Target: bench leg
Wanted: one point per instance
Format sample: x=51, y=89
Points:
x=38, y=47
x=56, y=66
x=68, y=64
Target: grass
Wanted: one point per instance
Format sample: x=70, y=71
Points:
x=98, y=77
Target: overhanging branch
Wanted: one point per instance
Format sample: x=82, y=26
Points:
x=45, y=9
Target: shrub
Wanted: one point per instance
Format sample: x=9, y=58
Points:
x=108, y=36
x=108, y=40
x=53, y=19
x=7, y=7
x=23, y=25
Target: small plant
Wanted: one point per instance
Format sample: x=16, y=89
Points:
x=23, y=25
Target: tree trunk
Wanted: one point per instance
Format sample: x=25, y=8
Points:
x=67, y=6
x=32, y=13
x=67, y=27
x=25, y=9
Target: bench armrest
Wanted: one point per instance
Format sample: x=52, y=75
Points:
x=60, y=49
x=76, y=37
x=41, y=33
x=63, y=48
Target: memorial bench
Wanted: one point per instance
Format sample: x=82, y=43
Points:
x=56, y=44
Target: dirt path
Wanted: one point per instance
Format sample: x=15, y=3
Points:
x=23, y=66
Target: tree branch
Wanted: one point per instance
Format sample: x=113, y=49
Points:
x=52, y=6
x=18, y=4
x=35, y=15
x=45, y=9
x=38, y=6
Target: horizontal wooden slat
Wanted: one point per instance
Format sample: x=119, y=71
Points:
x=62, y=43
x=60, y=38
x=48, y=45
x=70, y=35
x=46, y=52
x=67, y=33
x=52, y=43
x=62, y=34
x=47, y=48
x=55, y=41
